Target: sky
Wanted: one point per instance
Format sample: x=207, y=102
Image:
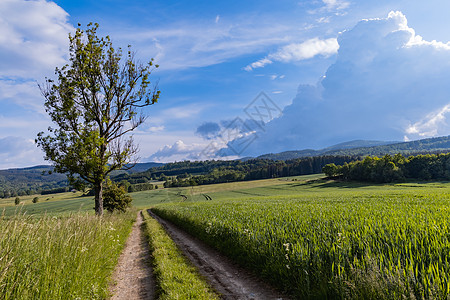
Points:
x=242, y=78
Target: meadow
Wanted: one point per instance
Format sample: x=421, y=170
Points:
x=326, y=239
x=66, y=257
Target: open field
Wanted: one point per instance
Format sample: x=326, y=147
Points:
x=326, y=239
x=311, y=237
x=73, y=202
x=70, y=257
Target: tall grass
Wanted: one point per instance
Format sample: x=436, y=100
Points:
x=70, y=257
x=365, y=246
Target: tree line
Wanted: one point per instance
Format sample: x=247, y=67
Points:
x=393, y=168
x=230, y=171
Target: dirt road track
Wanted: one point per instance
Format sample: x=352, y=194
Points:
x=133, y=274
x=225, y=276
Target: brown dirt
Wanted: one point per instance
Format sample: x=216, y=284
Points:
x=226, y=277
x=133, y=275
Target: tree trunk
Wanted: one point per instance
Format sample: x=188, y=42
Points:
x=98, y=187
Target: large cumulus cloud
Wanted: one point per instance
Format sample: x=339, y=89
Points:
x=387, y=84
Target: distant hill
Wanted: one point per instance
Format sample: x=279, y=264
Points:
x=28, y=180
x=310, y=152
x=373, y=148
x=20, y=181
x=141, y=167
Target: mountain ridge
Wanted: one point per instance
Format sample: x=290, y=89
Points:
x=428, y=145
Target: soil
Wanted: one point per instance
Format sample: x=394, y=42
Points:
x=226, y=277
x=133, y=276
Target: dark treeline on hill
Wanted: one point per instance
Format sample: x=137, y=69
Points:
x=42, y=180
x=188, y=173
x=393, y=168
x=29, y=181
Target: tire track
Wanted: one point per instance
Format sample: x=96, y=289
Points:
x=225, y=276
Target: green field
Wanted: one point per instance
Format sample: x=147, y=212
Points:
x=313, y=238
x=63, y=203
x=326, y=239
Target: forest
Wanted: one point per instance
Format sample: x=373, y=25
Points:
x=393, y=168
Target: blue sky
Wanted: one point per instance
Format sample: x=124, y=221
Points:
x=336, y=70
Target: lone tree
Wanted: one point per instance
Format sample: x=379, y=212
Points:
x=95, y=101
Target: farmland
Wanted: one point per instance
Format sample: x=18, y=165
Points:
x=310, y=237
x=325, y=239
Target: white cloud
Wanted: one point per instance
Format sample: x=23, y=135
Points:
x=33, y=37
x=156, y=128
x=323, y=20
x=434, y=124
x=181, y=151
x=258, y=64
x=387, y=83
x=298, y=51
x=17, y=151
x=176, y=114
x=332, y=5
x=25, y=94
x=306, y=50
x=217, y=19
x=33, y=41
x=181, y=45
x=336, y=7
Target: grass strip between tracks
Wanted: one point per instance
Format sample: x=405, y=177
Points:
x=176, y=277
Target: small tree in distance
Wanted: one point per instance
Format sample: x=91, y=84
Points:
x=17, y=201
x=116, y=198
x=95, y=101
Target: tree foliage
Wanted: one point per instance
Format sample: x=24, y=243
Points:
x=116, y=198
x=96, y=100
x=394, y=168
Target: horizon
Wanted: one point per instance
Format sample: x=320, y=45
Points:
x=341, y=146
x=242, y=79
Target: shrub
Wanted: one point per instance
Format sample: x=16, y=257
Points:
x=17, y=201
x=35, y=199
x=116, y=198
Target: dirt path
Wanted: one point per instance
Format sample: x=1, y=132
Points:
x=225, y=276
x=133, y=274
